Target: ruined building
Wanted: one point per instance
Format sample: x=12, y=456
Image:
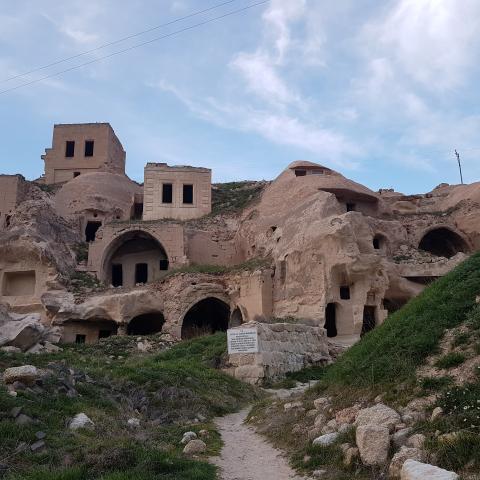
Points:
x=98, y=254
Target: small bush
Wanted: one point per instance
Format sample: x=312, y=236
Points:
x=450, y=360
x=435, y=383
x=463, y=451
x=461, y=339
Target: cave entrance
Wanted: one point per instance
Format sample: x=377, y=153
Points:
x=146, y=324
x=331, y=320
x=208, y=316
x=91, y=231
x=369, y=319
x=443, y=242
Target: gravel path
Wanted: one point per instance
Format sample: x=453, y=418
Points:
x=246, y=455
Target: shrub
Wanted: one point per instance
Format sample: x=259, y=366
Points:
x=435, y=383
x=450, y=360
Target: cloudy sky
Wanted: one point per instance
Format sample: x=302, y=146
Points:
x=381, y=90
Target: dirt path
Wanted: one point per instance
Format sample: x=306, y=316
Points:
x=246, y=455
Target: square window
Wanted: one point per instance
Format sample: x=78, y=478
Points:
x=167, y=193
x=300, y=173
x=188, y=194
x=80, y=338
x=351, y=207
x=164, y=264
x=70, y=149
x=89, y=144
x=345, y=293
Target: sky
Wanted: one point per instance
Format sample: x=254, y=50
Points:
x=382, y=91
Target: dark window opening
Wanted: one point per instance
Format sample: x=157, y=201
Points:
x=91, y=231
x=345, y=293
x=236, y=319
x=70, y=149
x=164, y=264
x=376, y=243
x=8, y=218
x=146, y=324
x=138, y=211
x=351, y=207
x=206, y=317
x=80, y=338
x=442, y=242
x=300, y=173
x=369, y=321
x=188, y=194
x=76, y=174
x=117, y=275
x=141, y=273
x=104, y=333
x=89, y=148
x=331, y=320
x=167, y=193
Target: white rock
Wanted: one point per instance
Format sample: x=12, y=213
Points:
x=319, y=473
x=26, y=374
x=291, y=405
x=413, y=470
x=80, y=421
x=373, y=442
x=194, y=447
x=133, y=422
x=327, y=439
x=380, y=415
x=188, y=437
x=437, y=412
x=401, y=457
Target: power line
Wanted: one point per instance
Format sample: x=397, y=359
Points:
x=138, y=45
x=116, y=42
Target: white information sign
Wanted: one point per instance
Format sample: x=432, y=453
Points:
x=242, y=340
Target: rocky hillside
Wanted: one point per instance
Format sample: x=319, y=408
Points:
x=409, y=390
x=126, y=408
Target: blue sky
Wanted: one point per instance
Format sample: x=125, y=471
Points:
x=382, y=91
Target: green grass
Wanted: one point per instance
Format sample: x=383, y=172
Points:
x=167, y=391
x=390, y=354
x=234, y=196
x=450, y=360
x=435, y=384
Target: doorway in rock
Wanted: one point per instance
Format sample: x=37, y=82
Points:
x=331, y=320
x=236, y=319
x=146, y=324
x=443, y=242
x=208, y=316
x=369, y=319
x=91, y=231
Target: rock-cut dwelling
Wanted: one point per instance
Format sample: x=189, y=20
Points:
x=96, y=253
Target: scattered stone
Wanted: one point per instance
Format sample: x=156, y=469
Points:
x=401, y=457
x=320, y=420
x=201, y=417
x=350, y=455
x=133, y=422
x=23, y=419
x=11, y=349
x=26, y=374
x=325, y=440
x=194, y=447
x=321, y=403
x=319, y=473
x=437, y=412
x=16, y=411
x=37, y=446
x=291, y=405
x=399, y=439
x=203, y=433
x=330, y=427
x=413, y=470
x=188, y=437
x=80, y=421
x=416, y=441
x=344, y=428
x=373, y=442
x=379, y=415
x=40, y=435
x=448, y=437
x=347, y=415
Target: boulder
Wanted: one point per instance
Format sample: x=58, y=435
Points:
x=401, y=457
x=320, y=420
x=325, y=440
x=350, y=455
x=292, y=405
x=321, y=403
x=437, y=412
x=373, y=442
x=330, y=427
x=399, y=439
x=414, y=470
x=133, y=422
x=379, y=415
x=347, y=415
x=22, y=334
x=26, y=374
x=416, y=441
x=188, y=437
x=80, y=421
x=194, y=447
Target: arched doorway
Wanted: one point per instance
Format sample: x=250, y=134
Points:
x=380, y=243
x=331, y=320
x=134, y=257
x=207, y=316
x=443, y=242
x=146, y=324
x=236, y=319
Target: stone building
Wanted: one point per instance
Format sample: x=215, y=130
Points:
x=106, y=255
x=79, y=149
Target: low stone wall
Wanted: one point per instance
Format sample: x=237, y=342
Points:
x=282, y=348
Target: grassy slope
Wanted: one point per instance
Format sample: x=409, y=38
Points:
x=178, y=385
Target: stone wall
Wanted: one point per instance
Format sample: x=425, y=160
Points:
x=283, y=348
x=12, y=189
